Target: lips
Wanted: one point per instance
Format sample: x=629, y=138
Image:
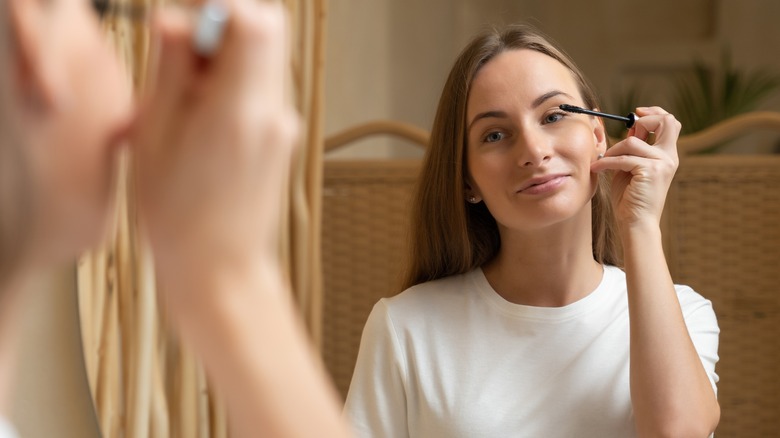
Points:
x=542, y=183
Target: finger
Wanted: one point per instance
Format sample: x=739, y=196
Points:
x=176, y=62
x=646, y=125
x=644, y=111
x=660, y=131
x=254, y=58
x=656, y=170
x=625, y=163
x=650, y=110
x=171, y=72
x=668, y=132
x=635, y=146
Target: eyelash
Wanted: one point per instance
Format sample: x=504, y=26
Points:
x=485, y=139
x=560, y=114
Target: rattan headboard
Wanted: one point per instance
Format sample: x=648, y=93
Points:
x=722, y=237
x=365, y=215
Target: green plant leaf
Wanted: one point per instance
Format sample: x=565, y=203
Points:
x=705, y=95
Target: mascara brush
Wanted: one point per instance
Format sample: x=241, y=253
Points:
x=629, y=120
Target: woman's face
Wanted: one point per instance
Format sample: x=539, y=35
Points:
x=528, y=160
x=90, y=113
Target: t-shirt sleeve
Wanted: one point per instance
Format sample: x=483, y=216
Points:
x=376, y=402
x=703, y=329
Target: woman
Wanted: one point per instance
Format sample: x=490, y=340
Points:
x=211, y=146
x=517, y=320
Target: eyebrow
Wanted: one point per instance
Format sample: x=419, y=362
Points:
x=535, y=104
x=547, y=96
x=487, y=115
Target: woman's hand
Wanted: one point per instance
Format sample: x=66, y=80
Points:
x=671, y=394
x=643, y=172
x=214, y=143
x=213, y=153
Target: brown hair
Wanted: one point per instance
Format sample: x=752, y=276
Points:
x=448, y=235
x=15, y=203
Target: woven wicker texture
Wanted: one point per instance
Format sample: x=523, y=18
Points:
x=723, y=239
x=365, y=216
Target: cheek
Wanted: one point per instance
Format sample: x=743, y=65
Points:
x=580, y=147
x=582, y=153
x=486, y=170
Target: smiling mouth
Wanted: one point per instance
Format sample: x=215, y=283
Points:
x=542, y=184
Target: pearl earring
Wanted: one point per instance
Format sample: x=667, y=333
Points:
x=473, y=199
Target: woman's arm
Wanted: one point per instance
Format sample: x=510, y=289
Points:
x=243, y=325
x=213, y=151
x=670, y=390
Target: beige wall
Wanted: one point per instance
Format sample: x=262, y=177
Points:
x=357, y=68
x=389, y=58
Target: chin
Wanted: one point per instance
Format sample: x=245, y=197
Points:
x=547, y=215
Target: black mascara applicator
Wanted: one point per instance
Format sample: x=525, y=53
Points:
x=629, y=120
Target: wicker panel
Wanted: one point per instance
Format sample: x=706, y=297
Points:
x=723, y=239
x=365, y=216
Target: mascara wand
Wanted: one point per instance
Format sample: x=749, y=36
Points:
x=629, y=120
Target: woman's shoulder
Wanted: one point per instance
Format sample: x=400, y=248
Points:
x=434, y=294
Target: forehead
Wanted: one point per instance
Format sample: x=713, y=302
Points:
x=518, y=77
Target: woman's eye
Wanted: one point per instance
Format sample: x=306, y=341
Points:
x=494, y=137
x=553, y=117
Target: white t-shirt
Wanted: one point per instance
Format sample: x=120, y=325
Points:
x=451, y=358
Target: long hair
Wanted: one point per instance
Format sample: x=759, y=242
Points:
x=15, y=190
x=448, y=235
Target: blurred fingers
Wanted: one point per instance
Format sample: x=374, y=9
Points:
x=254, y=59
x=175, y=61
x=169, y=82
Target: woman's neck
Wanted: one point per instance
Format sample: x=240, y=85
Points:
x=549, y=267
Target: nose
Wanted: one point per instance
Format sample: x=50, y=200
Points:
x=533, y=148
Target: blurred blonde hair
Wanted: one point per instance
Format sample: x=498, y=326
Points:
x=450, y=236
x=15, y=188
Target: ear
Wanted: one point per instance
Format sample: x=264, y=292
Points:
x=599, y=134
x=32, y=64
x=470, y=190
